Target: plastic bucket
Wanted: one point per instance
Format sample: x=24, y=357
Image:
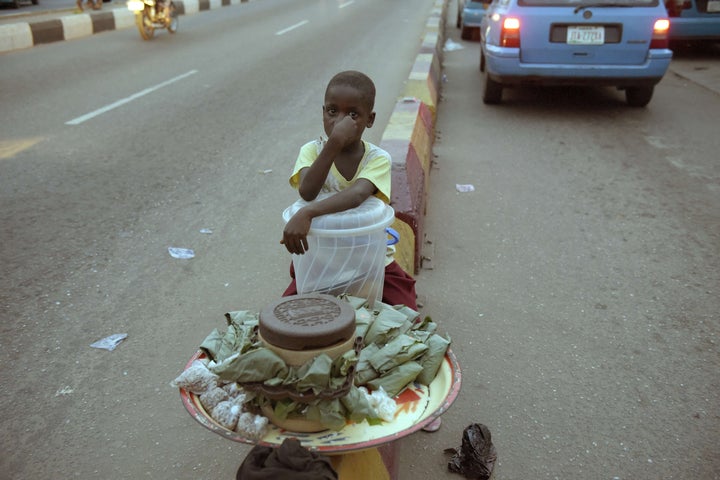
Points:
x=346, y=251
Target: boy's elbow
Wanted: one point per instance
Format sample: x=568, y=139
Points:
x=307, y=196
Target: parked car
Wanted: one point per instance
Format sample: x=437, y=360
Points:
x=694, y=19
x=469, y=16
x=620, y=43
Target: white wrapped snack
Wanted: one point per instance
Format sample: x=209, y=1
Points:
x=232, y=389
x=212, y=397
x=226, y=414
x=382, y=403
x=238, y=399
x=196, y=379
x=252, y=426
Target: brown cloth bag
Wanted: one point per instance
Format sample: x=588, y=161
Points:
x=290, y=461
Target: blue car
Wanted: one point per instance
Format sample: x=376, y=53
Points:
x=694, y=19
x=469, y=16
x=619, y=43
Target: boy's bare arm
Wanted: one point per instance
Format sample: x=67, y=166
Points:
x=297, y=228
x=313, y=177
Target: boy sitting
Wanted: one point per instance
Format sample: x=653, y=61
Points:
x=349, y=167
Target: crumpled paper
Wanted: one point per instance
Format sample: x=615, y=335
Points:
x=476, y=456
x=109, y=343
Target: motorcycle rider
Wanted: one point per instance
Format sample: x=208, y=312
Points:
x=164, y=8
x=94, y=4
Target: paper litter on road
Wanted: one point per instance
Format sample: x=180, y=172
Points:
x=452, y=46
x=109, y=343
x=181, y=253
x=464, y=188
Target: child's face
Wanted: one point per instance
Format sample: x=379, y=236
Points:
x=342, y=101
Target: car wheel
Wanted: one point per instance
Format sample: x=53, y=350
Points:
x=638, y=96
x=15, y=4
x=466, y=33
x=482, y=61
x=35, y=2
x=492, y=90
x=458, y=22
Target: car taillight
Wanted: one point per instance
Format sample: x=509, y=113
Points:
x=510, y=33
x=660, y=33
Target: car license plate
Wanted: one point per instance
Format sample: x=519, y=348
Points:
x=583, y=35
x=713, y=6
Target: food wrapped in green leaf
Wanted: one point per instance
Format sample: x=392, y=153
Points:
x=396, y=352
x=364, y=371
x=256, y=365
x=411, y=314
x=363, y=319
x=425, y=325
x=358, y=408
x=315, y=374
x=355, y=302
x=394, y=381
x=388, y=324
x=330, y=413
x=433, y=358
x=341, y=365
x=284, y=408
x=237, y=338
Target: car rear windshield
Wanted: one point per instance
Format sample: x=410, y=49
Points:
x=589, y=3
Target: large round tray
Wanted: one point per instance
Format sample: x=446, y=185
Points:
x=418, y=405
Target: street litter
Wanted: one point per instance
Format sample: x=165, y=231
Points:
x=269, y=170
x=66, y=390
x=464, y=188
x=452, y=46
x=181, y=253
x=476, y=456
x=206, y=230
x=109, y=343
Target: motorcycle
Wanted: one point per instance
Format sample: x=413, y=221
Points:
x=152, y=14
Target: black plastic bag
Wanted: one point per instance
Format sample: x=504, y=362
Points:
x=476, y=456
x=290, y=461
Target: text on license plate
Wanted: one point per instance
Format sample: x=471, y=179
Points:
x=713, y=6
x=583, y=35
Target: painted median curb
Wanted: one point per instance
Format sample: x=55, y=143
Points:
x=21, y=35
x=409, y=138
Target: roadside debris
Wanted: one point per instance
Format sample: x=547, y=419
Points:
x=451, y=46
x=206, y=231
x=266, y=171
x=181, y=253
x=464, y=188
x=109, y=343
x=476, y=456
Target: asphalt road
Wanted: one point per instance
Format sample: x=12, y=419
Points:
x=89, y=210
x=579, y=281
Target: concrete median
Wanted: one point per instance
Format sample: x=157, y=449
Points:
x=409, y=138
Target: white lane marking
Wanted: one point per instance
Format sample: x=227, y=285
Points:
x=135, y=96
x=346, y=4
x=293, y=27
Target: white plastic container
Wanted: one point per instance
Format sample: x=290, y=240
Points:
x=346, y=251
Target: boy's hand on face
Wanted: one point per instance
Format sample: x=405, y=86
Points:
x=345, y=131
x=295, y=233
